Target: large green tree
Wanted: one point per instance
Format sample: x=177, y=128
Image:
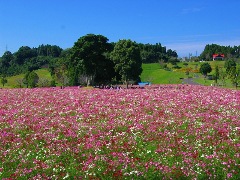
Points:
x=230, y=66
x=234, y=75
x=89, y=60
x=24, y=53
x=5, y=62
x=3, y=80
x=216, y=74
x=153, y=53
x=127, y=60
x=6, y=59
x=205, y=68
x=31, y=79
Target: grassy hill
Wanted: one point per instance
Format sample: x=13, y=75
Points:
x=155, y=74
x=12, y=82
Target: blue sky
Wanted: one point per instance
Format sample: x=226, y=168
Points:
x=182, y=25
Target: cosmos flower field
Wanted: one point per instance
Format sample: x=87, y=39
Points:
x=161, y=132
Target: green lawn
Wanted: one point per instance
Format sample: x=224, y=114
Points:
x=12, y=81
x=156, y=75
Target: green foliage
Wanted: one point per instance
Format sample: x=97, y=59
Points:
x=234, y=75
x=230, y=66
x=5, y=62
x=127, y=60
x=49, y=50
x=59, y=71
x=216, y=73
x=205, y=68
x=53, y=83
x=173, y=60
x=176, y=67
x=153, y=53
x=23, y=54
x=43, y=82
x=25, y=79
x=172, y=53
x=7, y=59
x=31, y=79
x=163, y=65
x=3, y=80
x=185, y=64
x=28, y=59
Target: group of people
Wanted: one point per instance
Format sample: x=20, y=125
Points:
x=108, y=87
x=131, y=86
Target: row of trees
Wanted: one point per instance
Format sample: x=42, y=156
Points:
x=154, y=53
x=27, y=59
x=92, y=60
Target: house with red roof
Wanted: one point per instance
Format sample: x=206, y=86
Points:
x=218, y=57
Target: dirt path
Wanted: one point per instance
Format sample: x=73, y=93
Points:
x=190, y=81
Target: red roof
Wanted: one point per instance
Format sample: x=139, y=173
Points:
x=218, y=55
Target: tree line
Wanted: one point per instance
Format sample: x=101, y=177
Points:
x=91, y=60
x=229, y=51
x=28, y=59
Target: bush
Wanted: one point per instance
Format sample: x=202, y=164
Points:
x=176, y=67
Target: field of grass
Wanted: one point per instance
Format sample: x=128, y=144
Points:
x=12, y=81
x=154, y=74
